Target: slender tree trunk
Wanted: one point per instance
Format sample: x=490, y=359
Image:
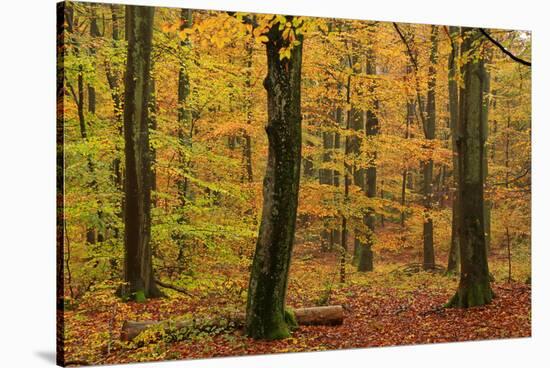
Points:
x=153, y=125
x=185, y=129
x=325, y=177
x=185, y=126
x=357, y=124
x=335, y=176
x=347, y=181
x=94, y=33
x=138, y=262
x=382, y=193
x=454, y=250
x=409, y=121
x=113, y=79
x=247, y=149
x=372, y=129
x=509, y=254
x=474, y=287
x=265, y=312
x=429, y=130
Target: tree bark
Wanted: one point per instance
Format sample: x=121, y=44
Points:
x=454, y=250
x=247, y=149
x=474, y=288
x=138, y=267
x=347, y=179
x=372, y=129
x=429, y=130
x=113, y=79
x=266, y=317
x=184, y=114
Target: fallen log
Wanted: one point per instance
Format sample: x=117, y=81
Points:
x=328, y=315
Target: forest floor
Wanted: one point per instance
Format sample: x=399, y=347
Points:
x=382, y=308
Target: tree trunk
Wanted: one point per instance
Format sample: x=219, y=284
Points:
x=429, y=130
x=409, y=121
x=485, y=132
x=509, y=254
x=185, y=129
x=474, y=287
x=454, y=249
x=247, y=149
x=153, y=125
x=347, y=180
x=138, y=267
x=328, y=316
x=372, y=129
x=113, y=78
x=325, y=177
x=265, y=312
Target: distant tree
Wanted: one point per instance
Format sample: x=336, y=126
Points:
x=372, y=129
x=428, y=165
x=454, y=250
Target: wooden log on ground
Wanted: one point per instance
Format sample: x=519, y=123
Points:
x=328, y=315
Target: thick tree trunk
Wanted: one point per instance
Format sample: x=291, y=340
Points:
x=454, y=249
x=138, y=267
x=328, y=316
x=474, y=288
x=429, y=131
x=265, y=312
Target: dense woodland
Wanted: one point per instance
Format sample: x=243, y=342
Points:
x=217, y=164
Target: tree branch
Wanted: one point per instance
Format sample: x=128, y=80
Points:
x=172, y=287
x=503, y=49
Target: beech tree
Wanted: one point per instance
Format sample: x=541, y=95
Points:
x=372, y=128
x=265, y=311
x=138, y=263
x=428, y=166
x=454, y=249
x=474, y=288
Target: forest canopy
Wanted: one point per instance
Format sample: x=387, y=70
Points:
x=213, y=162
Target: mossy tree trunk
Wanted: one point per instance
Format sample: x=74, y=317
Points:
x=265, y=312
x=454, y=250
x=428, y=166
x=138, y=267
x=474, y=288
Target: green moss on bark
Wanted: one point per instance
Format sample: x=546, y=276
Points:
x=474, y=295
